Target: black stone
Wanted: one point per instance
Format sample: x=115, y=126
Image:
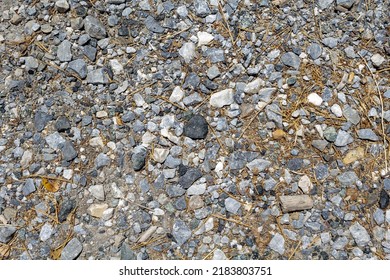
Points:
x=196, y=128
x=65, y=209
x=190, y=177
x=68, y=151
x=383, y=199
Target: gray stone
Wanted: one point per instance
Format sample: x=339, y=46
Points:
x=343, y=138
x=330, y=42
x=6, y=233
x=324, y=4
x=68, y=151
x=182, y=11
x=192, y=81
x=55, y=140
x=379, y=216
x=64, y=52
x=273, y=113
x=31, y=62
x=28, y=187
x=46, y=232
x=258, y=165
x=386, y=184
x=340, y=243
x=201, y=8
x=320, y=144
x=79, y=67
x=90, y=52
x=330, y=134
x=72, y=250
x=351, y=115
x=314, y=51
x=65, y=209
x=295, y=164
x=97, y=191
x=277, y=243
x=102, y=160
x=291, y=59
x=265, y=94
x=345, y=3
x=350, y=52
x=181, y=232
x=347, y=178
x=269, y=184
x=127, y=253
x=215, y=55
x=367, y=134
x=62, y=124
x=232, y=205
x=97, y=77
x=213, y=72
x=196, y=128
x=41, y=119
x=94, y=27
x=189, y=177
x=138, y=158
x=153, y=25
x=321, y=171
x=360, y=234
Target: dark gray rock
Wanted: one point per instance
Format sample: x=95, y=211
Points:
x=383, y=199
x=153, y=25
x=239, y=159
x=41, y=119
x=291, y=59
x=94, y=28
x=90, y=52
x=138, y=158
x=345, y=3
x=6, y=233
x=192, y=81
x=181, y=232
x=79, y=67
x=386, y=184
x=127, y=253
x=72, y=250
x=196, y=128
x=295, y=164
x=65, y=209
x=68, y=151
x=62, y=124
x=190, y=176
x=321, y=171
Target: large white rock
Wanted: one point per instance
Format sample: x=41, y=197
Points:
x=314, y=99
x=204, y=38
x=254, y=86
x=160, y=154
x=187, y=51
x=336, y=110
x=177, y=95
x=222, y=98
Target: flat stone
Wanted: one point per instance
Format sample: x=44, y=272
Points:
x=232, y=205
x=367, y=134
x=314, y=99
x=102, y=160
x=351, y=115
x=314, y=51
x=177, y=95
x=46, y=232
x=127, y=253
x=189, y=177
x=41, y=119
x=55, y=140
x=187, y=51
x=94, y=27
x=377, y=60
x=222, y=98
x=72, y=250
x=295, y=164
x=138, y=158
x=330, y=42
x=343, y=138
x=29, y=187
x=305, y=184
x=64, y=52
x=153, y=25
x=384, y=199
x=65, y=209
x=96, y=210
x=181, y=232
x=347, y=178
x=159, y=154
x=291, y=59
x=258, y=165
x=254, y=86
x=273, y=113
x=204, y=38
x=97, y=191
x=345, y=3
x=359, y=234
x=97, y=77
x=213, y=72
x=26, y=158
x=265, y=94
x=196, y=128
x=201, y=8
x=219, y=255
x=354, y=155
x=68, y=151
x=79, y=67
x=31, y=62
x=62, y=124
x=330, y=134
x=277, y=243
x=320, y=144
x=6, y=233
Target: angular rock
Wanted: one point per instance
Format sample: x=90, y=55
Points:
x=79, y=67
x=291, y=59
x=94, y=27
x=62, y=6
x=277, y=243
x=196, y=128
x=222, y=98
x=367, y=134
x=97, y=77
x=189, y=177
x=201, y=8
x=62, y=124
x=102, y=160
x=360, y=234
x=181, y=232
x=72, y=250
x=254, y=86
x=258, y=165
x=46, y=232
x=41, y=119
x=347, y=178
x=345, y=3
x=383, y=199
x=65, y=209
x=6, y=233
x=314, y=50
x=153, y=25
x=232, y=205
x=138, y=158
x=55, y=140
x=343, y=138
x=64, y=52
x=68, y=151
x=187, y=51
x=96, y=210
x=28, y=187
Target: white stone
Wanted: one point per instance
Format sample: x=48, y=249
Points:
x=177, y=95
x=160, y=154
x=336, y=110
x=305, y=184
x=101, y=114
x=277, y=243
x=254, y=86
x=26, y=158
x=97, y=191
x=115, y=191
x=107, y=214
x=67, y=174
x=46, y=232
x=204, y=38
x=377, y=59
x=314, y=99
x=219, y=255
x=147, y=138
x=96, y=142
x=187, y=51
x=222, y=98
x=97, y=210
x=196, y=189
x=116, y=66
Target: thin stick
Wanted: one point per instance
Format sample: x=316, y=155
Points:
x=295, y=249
x=48, y=178
x=230, y=220
x=172, y=103
x=218, y=140
x=226, y=22
x=141, y=89
x=209, y=254
x=382, y=112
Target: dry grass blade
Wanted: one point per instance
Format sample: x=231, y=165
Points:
x=230, y=220
x=55, y=254
x=382, y=112
x=210, y=253
x=226, y=22
x=172, y=103
x=295, y=250
x=141, y=89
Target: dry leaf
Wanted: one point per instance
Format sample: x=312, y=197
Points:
x=278, y=134
x=51, y=185
x=119, y=120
